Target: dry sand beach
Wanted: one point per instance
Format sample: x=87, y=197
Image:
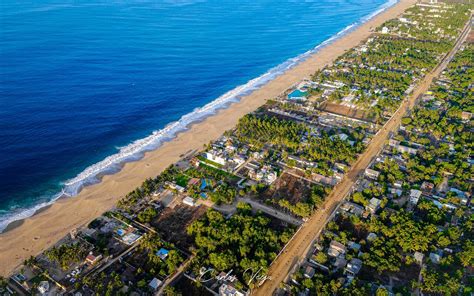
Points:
x=33, y=235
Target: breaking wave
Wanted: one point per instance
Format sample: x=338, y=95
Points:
x=137, y=149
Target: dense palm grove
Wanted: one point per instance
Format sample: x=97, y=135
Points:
x=440, y=227
x=244, y=243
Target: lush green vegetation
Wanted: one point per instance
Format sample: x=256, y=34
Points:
x=242, y=242
x=147, y=215
x=106, y=284
x=306, y=208
x=154, y=265
x=66, y=254
x=263, y=130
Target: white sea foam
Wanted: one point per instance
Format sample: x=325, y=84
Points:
x=136, y=150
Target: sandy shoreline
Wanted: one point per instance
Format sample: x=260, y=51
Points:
x=30, y=236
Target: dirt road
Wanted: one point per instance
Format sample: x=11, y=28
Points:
x=297, y=249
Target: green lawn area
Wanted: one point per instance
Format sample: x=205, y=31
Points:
x=182, y=180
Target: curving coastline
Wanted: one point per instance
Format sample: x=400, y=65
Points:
x=136, y=150
x=195, y=129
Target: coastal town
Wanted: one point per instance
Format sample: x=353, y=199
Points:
x=219, y=221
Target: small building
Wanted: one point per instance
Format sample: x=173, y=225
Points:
x=189, y=201
x=175, y=186
x=352, y=208
x=371, y=236
x=93, y=259
x=385, y=30
x=372, y=174
x=229, y=290
x=154, y=284
x=466, y=116
x=354, y=246
x=309, y=271
x=353, y=267
x=414, y=196
x=374, y=205
x=270, y=177
x=427, y=187
x=418, y=257
x=43, y=287
x=162, y=253
x=401, y=148
x=435, y=258
x=215, y=157
x=336, y=249
x=398, y=184
x=130, y=238
x=340, y=262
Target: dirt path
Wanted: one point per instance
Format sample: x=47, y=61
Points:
x=297, y=249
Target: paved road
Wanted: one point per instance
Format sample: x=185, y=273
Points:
x=271, y=211
x=297, y=249
x=230, y=209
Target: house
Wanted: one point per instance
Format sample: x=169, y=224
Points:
x=418, y=257
x=341, y=136
x=371, y=236
x=435, y=258
x=466, y=116
x=130, y=238
x=460, y=194
x=354, y=246
x=353, y=267
x=372, y=174
x=400, y=148
x=374, y=205
x=414, y=196
x=189, y=201
x=396, y=191
x=270, y=177
x=93, y=259
x=340, y=262
x=309, y=272
x=229, y=290
x=162, y=253
x=352, y=208
x=336, y=249
x=174, y=186
x=43, y=287
x=427, y=187
x=215, y=156
x=398, y=184
x=154, y=284
x=385, y=30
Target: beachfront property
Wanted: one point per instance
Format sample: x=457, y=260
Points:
x=278, y=165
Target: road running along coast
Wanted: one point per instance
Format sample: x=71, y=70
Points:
x=297, y=248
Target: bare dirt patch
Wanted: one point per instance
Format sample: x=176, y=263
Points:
x=172, y=224
x=288, y=187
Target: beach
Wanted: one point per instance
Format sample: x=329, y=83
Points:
x=32, y=235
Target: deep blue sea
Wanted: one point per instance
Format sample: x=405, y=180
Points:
x=82, y=81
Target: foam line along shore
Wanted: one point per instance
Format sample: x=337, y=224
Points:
x=40, y=231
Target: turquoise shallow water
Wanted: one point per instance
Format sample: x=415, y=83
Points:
x=87, y=85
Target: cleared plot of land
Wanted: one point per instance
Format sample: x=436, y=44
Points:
x=172, y=224
x=346, y=111
x=288, y=187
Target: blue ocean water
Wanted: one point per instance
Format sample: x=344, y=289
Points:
x=86, y=85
